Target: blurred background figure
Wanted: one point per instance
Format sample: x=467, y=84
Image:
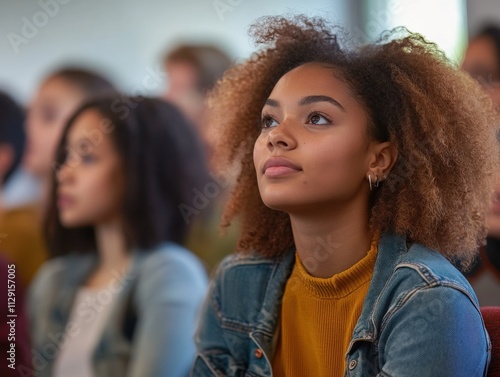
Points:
x=55, y=100
x=21, y=240
x=192, y=70
x=57, y=97
x=482, y=62
x=21, y=246
x=125, y=292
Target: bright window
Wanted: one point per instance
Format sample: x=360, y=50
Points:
x=443, y=22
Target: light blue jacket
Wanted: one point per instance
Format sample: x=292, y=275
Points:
x=419, y=318
x=151, y=326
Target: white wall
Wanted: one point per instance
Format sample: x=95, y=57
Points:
x=125, y=38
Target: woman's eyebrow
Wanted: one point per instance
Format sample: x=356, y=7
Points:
x=313, y=99
x=272, y=102
x=308, y=100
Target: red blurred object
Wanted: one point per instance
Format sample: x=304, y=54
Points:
x=491, y=315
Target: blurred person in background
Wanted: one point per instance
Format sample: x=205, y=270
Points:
x=21, y=240
x=482, y=62
x=58, y=96
x=21, y=246
x=192, y=71
x=121, y=296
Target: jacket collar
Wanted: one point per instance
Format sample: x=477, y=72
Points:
x=77, y=268
x=268, y=317
x=391, y=247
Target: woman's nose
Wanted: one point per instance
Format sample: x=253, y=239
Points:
x=64, y=173
x=281, y=137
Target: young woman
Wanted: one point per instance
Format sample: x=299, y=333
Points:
x=363, y=173
x=122, y=296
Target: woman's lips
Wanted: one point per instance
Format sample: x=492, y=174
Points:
x=64, y=201
x=279, y=166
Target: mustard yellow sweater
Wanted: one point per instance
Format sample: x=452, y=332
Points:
x=318, y=317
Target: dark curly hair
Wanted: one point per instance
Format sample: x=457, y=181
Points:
x=440, y=121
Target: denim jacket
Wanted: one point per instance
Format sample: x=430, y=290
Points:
x=420, y=318
x=151, y=327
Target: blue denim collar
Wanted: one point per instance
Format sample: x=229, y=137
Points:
x=390, y=249
x=267, y=319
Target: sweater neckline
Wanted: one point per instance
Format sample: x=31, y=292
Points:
x=341, y=284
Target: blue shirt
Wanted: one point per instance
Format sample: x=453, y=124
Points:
x=420, y=318
x=151, y=327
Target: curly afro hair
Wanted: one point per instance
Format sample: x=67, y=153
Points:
x=439, y=119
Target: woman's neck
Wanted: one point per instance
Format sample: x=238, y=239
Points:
x=114, y=258
x=332, y=241
x=111, y=244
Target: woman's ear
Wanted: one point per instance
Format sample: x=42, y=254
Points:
x=383, y=156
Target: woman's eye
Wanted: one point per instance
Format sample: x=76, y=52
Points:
x=88, y=159
x=268, y=122
x=318, y=119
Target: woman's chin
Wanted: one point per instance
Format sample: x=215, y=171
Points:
x=72, y=221
x=277, y=205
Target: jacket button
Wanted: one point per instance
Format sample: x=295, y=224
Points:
x=352, y=364
x=258, y=353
